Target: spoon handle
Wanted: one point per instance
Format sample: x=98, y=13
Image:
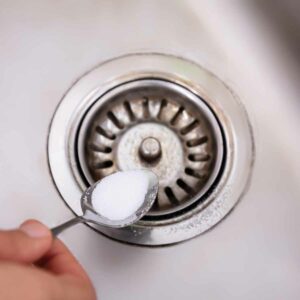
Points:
x=58, y=229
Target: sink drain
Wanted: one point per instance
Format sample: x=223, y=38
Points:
x=160, y=126
x=165, y=114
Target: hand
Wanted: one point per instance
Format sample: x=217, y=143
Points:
x=34, y=266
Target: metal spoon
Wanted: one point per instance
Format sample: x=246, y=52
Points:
x=91, y=216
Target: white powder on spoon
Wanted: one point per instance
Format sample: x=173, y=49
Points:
x=121, y=194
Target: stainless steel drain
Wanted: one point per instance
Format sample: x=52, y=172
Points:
x=158, y=125
x=159, y=112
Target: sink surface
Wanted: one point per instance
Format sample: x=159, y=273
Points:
x=46, y=46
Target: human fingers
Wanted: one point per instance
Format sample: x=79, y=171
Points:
x=61, y=261
x=26, y=244
x=26, y=282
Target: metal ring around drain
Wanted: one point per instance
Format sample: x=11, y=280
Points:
x=223, y=192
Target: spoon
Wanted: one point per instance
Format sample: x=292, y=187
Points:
x=90, y=215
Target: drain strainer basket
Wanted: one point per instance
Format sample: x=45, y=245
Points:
x=165, y=114
x=160, y=126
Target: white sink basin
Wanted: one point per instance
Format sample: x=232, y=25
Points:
x=46, y=47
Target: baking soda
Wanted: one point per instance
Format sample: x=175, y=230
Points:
x=120, y=195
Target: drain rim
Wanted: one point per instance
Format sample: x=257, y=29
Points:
x=216, y=131
x=240, y=157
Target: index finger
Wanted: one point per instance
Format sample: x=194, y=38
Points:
x=59, y=260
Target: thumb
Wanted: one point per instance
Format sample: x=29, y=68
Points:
x=26, y=244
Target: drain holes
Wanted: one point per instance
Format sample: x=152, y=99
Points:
x=163, y=104
x=171, y=196
x=102, y=149
x=184, y=186
x=176, y=117
x=155, y=205
x=104, y=133
x=146, y=111
x=194, y=173
x=115, y=120
x=129, y=111
x=185, y=130
x=103, y=164
x=199, y=157
x=197, y=142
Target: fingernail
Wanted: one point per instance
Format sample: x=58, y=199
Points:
x=35, y=229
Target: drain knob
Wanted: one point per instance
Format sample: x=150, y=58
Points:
x=150, y=150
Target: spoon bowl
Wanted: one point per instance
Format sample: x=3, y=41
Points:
x=90, y=215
